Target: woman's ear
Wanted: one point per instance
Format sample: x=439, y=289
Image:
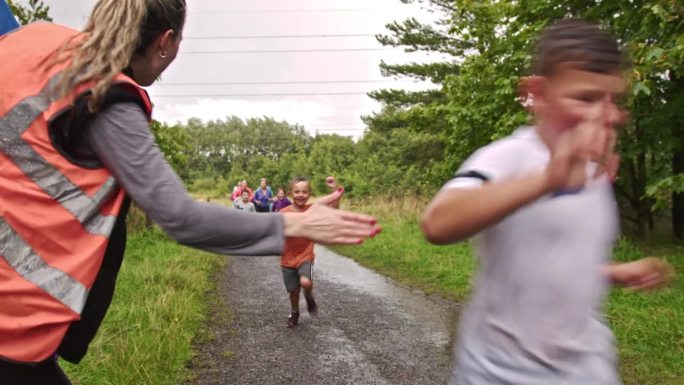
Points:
x=166, y=41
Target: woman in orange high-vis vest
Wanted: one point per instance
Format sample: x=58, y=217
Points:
x=75, y=148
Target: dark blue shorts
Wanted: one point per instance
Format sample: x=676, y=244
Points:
x=291, y=275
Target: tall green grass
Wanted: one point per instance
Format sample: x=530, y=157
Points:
x=649, y=327
x=159, y=305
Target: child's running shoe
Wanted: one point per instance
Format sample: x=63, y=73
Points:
x=293, y=319
x=311, y=306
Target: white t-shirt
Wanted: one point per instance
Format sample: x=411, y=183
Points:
x=535, y=313
x=245, y=206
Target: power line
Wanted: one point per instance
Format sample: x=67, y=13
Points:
x=254, y=51
x=278, y=36
x=260, y=95
x=337, y=129
x=278, y=82
x=330, y=128
x=322, y=10
x=327, y=124
x=255, y=11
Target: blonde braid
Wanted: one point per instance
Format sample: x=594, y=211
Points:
x=113, y=35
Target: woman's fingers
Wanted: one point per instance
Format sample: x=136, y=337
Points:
x=353, y=236
x=358, y=218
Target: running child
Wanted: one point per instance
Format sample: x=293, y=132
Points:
x=298, y=254
x=542, y=204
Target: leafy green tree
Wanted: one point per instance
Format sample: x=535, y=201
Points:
x=174, y=143
x=234, y=149
x=34, y=11
x=488, y=45
x=330, y=155
x=419, y=116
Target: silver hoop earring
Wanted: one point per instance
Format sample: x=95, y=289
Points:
x=162, y=54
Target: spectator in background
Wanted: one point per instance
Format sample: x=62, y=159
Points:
x=243, y=202
x=263, y=197
x=238, y=193
x=280, y=201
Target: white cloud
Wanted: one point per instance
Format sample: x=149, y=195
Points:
x=294, y=111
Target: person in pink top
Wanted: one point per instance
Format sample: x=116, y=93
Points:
x=243, y=186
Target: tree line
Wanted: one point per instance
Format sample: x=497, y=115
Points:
x=212, y=156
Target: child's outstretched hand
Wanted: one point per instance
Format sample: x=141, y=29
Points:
x=331, y=183
x=643, y=274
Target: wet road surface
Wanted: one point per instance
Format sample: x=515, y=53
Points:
x=369, y=330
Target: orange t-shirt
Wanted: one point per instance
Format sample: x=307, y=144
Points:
x=296, y=250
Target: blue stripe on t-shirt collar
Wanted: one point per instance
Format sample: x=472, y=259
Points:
x=567, y=191
x=471, y=174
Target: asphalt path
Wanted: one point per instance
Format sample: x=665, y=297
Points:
x=369, y=330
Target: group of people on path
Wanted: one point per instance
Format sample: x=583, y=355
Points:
x=76, y=148
x=261, y=201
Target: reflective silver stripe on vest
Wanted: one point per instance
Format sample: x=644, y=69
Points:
x=31, y=267
x=51, y=180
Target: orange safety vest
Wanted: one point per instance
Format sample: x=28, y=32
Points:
x=55, y=216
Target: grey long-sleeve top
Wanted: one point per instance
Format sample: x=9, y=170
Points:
x=121, y=139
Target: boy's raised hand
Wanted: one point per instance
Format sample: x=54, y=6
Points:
x=608, y=160
x=593, y=139
x=331, y=183
x=332, y=199
x=567, y=168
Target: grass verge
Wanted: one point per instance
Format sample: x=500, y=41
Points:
x=159, y=306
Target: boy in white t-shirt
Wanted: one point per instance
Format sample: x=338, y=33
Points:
x=542, y=204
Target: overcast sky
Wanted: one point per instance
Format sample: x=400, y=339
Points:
x=319, y=83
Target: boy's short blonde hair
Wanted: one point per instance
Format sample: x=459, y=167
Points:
x=300, y=179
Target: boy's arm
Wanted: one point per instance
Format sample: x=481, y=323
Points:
x=458, y=213
x=455, y=214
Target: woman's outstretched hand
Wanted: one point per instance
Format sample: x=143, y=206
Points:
x=326, y=225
